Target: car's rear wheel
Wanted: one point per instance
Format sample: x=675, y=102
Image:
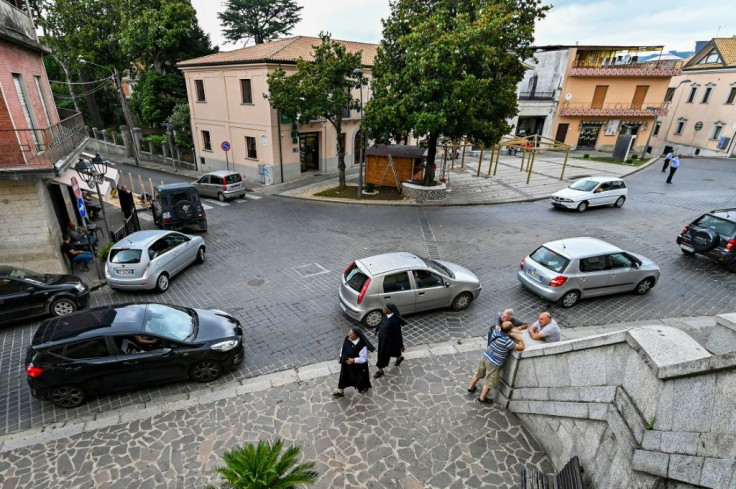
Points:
x=644, y=286
x=372, y=319
x=569, y=299
x=705, y=240
x=200, y=254
x=462, y=301
x=221, y=197
x=620, y=201
x=731, y=267
x=62, y=307
x=162, y=282
x=67, y=396
x=206, y=371
x=583, y=206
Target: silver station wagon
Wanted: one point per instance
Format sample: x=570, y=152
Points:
x=148, y=259
x=414, y=284
x=570, y=269
x=223, y=184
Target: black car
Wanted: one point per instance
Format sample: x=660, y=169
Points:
x=25, y=293
x=177, y=206
x=712, y=235
x=120, y=347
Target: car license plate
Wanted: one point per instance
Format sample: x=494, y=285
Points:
x=533, y=274
x=124, y=271
x=687, y=247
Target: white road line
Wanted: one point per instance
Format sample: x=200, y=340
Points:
x=253, y=196
x=206, y=207
x=217, y=202
x=145, y=216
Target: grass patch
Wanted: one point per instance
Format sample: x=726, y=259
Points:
x=608, y=159
x=351, y=193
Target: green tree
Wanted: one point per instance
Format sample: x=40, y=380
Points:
x=260, y=20
x=181, y=120
x=265, y=467
x=156, y=95
x=450, y=68
x=319, y=88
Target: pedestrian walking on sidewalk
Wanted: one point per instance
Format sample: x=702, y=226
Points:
x=489, y=368
x=674, y=165
x=667, y=160
x=390, y=339
x=354, y=363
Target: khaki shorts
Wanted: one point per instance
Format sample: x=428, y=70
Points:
x=490, y=372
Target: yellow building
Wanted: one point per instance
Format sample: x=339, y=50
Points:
x=225, y=92
x=606, y=92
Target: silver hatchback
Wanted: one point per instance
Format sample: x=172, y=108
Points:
x=223, y=184
x=148, y=259
x=570, y=269
x=414, y=284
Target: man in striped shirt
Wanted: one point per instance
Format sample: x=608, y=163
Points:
x=502, y=341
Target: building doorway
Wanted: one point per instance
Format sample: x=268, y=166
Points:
x=530, y=125
x=588, y=136
x=356, y=148
x=309, y=151
x=562, y=132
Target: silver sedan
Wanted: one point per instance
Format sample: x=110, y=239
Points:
x=413, y=283
x=148, y=259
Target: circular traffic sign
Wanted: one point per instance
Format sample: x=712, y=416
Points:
x=75, y=187
x=81, y=207
x=225, y=146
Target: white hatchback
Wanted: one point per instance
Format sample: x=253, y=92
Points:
x=591, y=192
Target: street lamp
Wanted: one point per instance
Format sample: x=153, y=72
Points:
x=359, y=73
x=123, y=104
x=94, y=172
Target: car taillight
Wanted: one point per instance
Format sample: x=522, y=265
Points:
x=224, y=184
x=557, y=281
x=32, y=371
x=348, y=267
x=521, y=265
x=684, y=231
x=731, y=244
x=362, y=291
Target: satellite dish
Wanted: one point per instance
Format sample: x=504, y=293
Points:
x=568, y=96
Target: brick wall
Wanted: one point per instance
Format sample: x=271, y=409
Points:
x=29, y=232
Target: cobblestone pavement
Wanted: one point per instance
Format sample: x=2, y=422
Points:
x=417, y=428
x=275, y=264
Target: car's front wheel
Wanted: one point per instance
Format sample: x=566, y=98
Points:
x=462, y=301
x=583, y=206
x=62, y=307
x=644, y=286
x=569, y=299
x=162, y=282
x=372, y=319
x=68, y=396
x=206, y=371
x=200, y=255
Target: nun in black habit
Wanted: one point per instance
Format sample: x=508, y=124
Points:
x=354, y=363
x=390, y=339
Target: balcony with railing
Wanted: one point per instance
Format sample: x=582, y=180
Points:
x=32, y=149
x=536, y=95
x=613, y=109
x=15, y=25
x=666, y=68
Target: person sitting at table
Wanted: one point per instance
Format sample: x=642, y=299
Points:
x=92, y=208
x=81, y=237
x=74, y=254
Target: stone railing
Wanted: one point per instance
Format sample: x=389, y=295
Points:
x=639, y=407
x=420, y=193
x=112, y=142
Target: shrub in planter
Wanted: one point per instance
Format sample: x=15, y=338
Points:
x=586, y=156
x=104, y=251
x=370, y=187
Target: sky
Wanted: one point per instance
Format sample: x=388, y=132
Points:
x=676, y=24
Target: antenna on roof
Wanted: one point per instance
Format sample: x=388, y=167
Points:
x=718, y=31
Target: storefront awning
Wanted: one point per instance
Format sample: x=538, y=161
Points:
x=111, y=178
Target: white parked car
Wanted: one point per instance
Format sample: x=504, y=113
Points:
x=591, y=192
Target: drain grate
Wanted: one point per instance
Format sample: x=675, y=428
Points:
x=310, y=270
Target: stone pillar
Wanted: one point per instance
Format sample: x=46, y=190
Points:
x=138, y=136
x=126, y=141
x=94, y=131
x=104, y=135
x=150, y=147
x=165, y=151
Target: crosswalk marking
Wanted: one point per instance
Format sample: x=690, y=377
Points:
x=206, y=207
x=217, y=202
x=253, y=196
x=145, y=216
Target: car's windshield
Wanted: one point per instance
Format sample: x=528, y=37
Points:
x=438, y=266
x=125, y=255
x=24, y=274
x=170, y=322
x=549, y=259
x=584, y=185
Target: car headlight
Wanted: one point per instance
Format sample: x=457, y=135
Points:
x=566, y=200
x=225, y=345
x=80, y=287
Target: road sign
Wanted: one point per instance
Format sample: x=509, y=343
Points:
x=225, y=146
x=75, y=187
x=81, y=207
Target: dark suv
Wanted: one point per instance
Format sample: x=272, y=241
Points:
x=176, y=206
x=112, y=348
x=712, y=235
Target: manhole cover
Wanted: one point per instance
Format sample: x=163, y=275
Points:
x=310, y=270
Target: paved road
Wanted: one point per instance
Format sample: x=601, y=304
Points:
x=275, y=264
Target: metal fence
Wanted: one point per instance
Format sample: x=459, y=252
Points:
x=41, y=147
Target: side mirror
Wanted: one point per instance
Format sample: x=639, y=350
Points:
x=447, y=284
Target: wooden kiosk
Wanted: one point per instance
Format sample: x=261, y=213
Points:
x=407, y=161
